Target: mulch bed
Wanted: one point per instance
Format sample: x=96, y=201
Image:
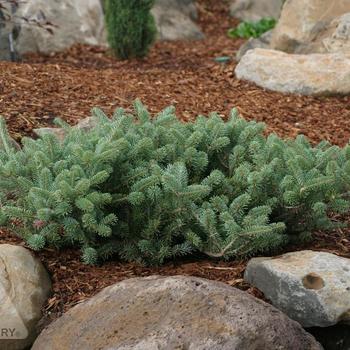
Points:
x=74, y=282
x=184, y=74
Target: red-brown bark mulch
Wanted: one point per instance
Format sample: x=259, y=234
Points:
x=69, y=84
x=74, y=282
x=184, y=74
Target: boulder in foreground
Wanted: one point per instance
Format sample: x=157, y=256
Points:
x=168, y=313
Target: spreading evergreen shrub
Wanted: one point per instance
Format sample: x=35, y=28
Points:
x=150, y=189
x=130, y=27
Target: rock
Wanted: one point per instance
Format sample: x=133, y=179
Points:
x=263, y=42
x=6, y=27
x=58, y=132
x=298, y=27
x=77, y=21
x=312, y=288
x=335, y=37
x=315, y=74
x=169, y=313
x=187, y=7
x=85, y=125
x=254, y=10
x=174, y=20
x=24, y=288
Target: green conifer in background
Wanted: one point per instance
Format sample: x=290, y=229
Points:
x=130, y=27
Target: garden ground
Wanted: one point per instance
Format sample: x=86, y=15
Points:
x=184, y=74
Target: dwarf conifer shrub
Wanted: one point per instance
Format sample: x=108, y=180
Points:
x=130, y=26
x=149, y=189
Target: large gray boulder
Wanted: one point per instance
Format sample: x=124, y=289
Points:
x=312, y=288
x=314, y=74
x=254, y=10
x=24, y=288
x=175, y=20
x=168, y=313
x=76, y=21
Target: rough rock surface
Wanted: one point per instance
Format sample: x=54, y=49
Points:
x=24, y=288
x=335, y=37
x=296, y=28
x=253, y=10
x=6, y=28
x=85, y=124
x=168, y=313
x=312, y=288
x=314, y=74
x=175, y=20
x=263, y=42
x=77, y=21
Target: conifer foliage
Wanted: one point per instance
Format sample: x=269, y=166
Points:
x=130, y=26
x=149, y=189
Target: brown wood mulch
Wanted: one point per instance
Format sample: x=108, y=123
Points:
x=69, y=84
x=184, y=74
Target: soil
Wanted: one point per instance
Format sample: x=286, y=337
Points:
x=185, y=74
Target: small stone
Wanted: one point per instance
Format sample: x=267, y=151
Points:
x=87, y=123
x=58, y=132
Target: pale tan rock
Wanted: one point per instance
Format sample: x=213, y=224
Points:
x=168, y=313
x=335, y=37
x=85, y=125
x=58, y=132
x=301, y=19
x=311, y=287
x=24, y=288
x=314, y=74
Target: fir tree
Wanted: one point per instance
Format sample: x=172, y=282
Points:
x=130, y=26
x=150, y=189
